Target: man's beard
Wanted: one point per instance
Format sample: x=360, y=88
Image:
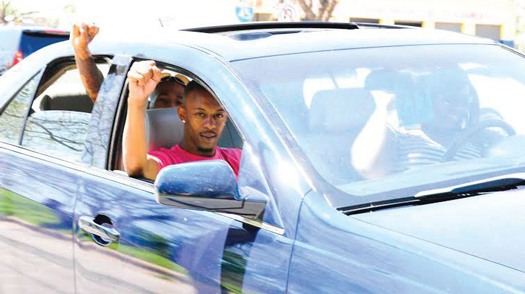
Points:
x=205, y=150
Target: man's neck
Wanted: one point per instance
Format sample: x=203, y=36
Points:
x=193, y=149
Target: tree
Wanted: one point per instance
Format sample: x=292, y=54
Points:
x=325, y=8
x=8, y=13
x=4, y=11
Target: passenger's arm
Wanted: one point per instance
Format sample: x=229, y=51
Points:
x=143, y=77
x=374, y=149
x=91, y=76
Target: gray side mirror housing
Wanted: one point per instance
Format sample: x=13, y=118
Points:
x=208, y=185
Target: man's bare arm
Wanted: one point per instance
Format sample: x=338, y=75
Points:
x=81, y=36
x=143, y=77
x=373, y=151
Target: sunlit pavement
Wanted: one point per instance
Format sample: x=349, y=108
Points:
x=52, y=252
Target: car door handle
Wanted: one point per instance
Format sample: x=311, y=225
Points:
x=88, y=224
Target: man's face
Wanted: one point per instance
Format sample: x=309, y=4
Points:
x=205, y=119
x=169, y=94
x=452, y=109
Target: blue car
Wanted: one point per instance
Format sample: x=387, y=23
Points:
x=374, y=160
x=18, y=42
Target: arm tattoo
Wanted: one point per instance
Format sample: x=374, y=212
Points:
x=90, y=75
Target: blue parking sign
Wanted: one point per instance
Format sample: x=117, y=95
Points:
x=244, y=11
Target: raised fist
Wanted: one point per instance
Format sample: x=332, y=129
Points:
x=143, y=78
x=80, y=36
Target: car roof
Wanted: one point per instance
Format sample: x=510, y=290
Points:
x=247, y=42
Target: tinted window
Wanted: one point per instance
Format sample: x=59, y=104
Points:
x=31, y=42
x=59, y=117
x=12, y=119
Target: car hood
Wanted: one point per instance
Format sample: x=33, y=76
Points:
x=490, y=226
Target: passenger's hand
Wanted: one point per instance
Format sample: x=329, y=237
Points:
x=385, y=102
x=80, y=36
x=385, y=111
x=143, y=77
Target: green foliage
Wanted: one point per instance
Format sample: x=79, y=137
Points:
x=14, y=205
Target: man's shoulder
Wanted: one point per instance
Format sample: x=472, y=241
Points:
x=162, y=150
x=231, y=152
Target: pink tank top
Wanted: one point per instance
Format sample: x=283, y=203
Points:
x=176, y=155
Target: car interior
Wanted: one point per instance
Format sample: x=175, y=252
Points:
x=60, y=114
x=164, y=128
x=332, y=114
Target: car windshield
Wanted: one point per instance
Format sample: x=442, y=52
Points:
x=391, y=121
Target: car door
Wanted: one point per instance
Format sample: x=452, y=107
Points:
x=43, y=132
x=127, y=242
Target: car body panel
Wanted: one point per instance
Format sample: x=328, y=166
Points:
x=37, y=200
x=167, y=249
x=456, y=225
x=202, y=252
x=18, y=75
x=371, y=259
x=241, y=45
x=101, y=129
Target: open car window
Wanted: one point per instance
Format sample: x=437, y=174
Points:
x=164, y=128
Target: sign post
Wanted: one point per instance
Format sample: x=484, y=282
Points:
x=245, y=10
x=288, y=12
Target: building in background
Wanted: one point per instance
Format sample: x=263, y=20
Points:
x=494, y=19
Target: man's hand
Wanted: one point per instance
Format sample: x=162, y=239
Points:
x=384, y=101
x=143, y=78
x=80, y=36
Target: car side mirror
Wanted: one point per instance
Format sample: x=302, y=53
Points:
x=208, y=185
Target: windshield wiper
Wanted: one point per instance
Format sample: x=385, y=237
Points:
x=487, y=185
x=494, y=184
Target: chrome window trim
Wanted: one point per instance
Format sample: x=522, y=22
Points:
x=258, y=224
x=130, y=182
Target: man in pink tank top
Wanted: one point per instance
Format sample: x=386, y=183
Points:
x=203, y=118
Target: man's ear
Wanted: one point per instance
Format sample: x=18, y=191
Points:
x=182, y=113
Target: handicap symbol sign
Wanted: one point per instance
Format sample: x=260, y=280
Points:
x=244, y=11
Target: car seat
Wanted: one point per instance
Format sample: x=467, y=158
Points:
x=335, y=119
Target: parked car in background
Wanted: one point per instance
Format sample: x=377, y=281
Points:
x=302, y=217
x=18, y=42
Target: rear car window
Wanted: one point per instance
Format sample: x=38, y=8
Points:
x=59, y=117
x=12, y=119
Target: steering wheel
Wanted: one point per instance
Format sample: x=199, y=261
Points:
x=469, y=133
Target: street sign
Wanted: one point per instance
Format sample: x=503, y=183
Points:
x=288, y=13
x=245, y=10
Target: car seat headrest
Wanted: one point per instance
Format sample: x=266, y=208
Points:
x=380, y=80
x=163, y=127
x=340, y=110
x=69, y=102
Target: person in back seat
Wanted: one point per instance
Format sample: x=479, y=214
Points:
x=203, y=118
x=169, y=92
